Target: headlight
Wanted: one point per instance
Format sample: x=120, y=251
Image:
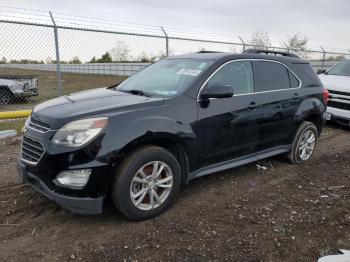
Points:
x=79, y=132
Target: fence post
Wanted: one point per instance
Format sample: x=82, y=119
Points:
x=324, y=56
x=58, y=62
x=243, y=43
x=166, y=42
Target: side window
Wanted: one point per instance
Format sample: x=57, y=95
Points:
x=294, y=82
x=238, y=74
x=274, y=76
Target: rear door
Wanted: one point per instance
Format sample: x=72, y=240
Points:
x=281, y=96
x=229, y=127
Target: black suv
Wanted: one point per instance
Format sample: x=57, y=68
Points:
x=177, y=119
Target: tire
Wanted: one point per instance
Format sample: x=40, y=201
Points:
x=295, y=156
x=5, y=97
x=126, y=183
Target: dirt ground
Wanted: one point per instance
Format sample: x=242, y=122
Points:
x=283, y=213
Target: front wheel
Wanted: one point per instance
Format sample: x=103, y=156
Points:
x=304, y=143
x=5, y=97
x=146, y=183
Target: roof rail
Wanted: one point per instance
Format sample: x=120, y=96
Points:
x=207, y=51
x=267, y=52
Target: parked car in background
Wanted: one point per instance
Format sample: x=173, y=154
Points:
x=15, y=88
x=178, y=119
x=337, y=81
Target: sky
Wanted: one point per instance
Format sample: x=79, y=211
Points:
x=325, y=23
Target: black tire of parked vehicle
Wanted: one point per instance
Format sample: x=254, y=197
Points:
x=5, y=97
x=293, y=156
x=123, y=177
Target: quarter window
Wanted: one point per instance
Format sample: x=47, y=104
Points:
x=238, y=74
x=294, y=82
x=274, y=76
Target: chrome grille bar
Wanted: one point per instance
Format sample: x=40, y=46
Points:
x=37, y=125
x=32, y=150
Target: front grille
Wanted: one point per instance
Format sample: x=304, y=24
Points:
x=338, y=93
x=38, y=125
x=32, y=150
x=338, y=105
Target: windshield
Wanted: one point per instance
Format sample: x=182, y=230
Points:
x=165, y=78
x=342, y=68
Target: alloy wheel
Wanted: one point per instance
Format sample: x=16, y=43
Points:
x=151, y=185
x=307, y=144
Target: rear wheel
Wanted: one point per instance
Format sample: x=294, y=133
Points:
x=146, y=183
x=304, y=143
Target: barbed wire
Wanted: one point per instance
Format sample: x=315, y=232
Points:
x=18, y=14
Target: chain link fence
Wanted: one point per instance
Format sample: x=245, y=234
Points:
x=44, y=55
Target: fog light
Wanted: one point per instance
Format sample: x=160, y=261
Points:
x=73, y=178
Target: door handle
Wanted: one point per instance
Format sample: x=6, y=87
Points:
x=253, y=105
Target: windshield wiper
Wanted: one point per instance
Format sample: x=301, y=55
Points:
x=136, y=92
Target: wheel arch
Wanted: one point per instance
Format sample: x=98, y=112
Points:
x=170, y=142
x=316, y=119
x=312, y=110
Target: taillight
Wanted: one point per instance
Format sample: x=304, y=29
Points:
x=325, y=95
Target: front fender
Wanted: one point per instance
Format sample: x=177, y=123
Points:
x=162, y=122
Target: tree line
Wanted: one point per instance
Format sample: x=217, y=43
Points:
x=105, y=58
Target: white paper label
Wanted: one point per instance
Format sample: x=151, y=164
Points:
x=190, y=72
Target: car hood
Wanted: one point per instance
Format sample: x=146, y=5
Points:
x=336, y=83
x=9, y=82
x=100, y=101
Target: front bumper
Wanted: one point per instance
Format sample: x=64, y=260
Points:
x=80, y=205
x=27, y=93
x=21, y=94
x=338, y=115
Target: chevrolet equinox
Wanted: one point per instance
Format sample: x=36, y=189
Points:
x=178, y=119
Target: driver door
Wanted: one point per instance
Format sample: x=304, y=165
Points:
x=229, y=127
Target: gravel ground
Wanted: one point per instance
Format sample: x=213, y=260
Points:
x=280, y=212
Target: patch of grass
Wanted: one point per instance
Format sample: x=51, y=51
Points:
x=12, y=124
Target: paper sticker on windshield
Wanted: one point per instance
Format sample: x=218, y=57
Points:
x=190, y=72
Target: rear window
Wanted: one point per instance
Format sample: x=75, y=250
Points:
x=273, y=76
x=307, y=74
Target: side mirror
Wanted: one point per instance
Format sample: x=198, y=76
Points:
x=321, y=71
x=217, y=91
